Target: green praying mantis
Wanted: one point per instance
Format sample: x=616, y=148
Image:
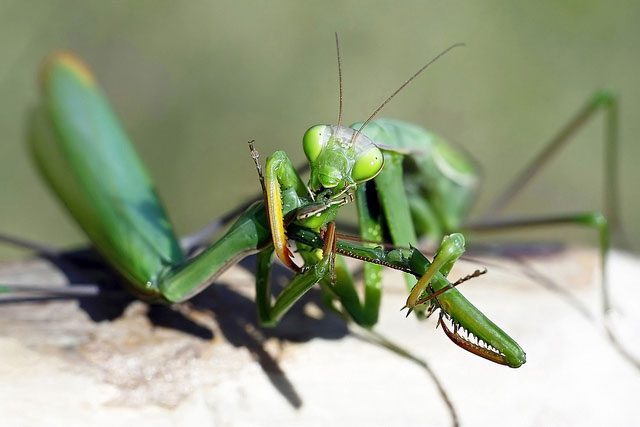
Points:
x=406, y=182
x=88, y=161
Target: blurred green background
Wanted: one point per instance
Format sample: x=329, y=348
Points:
x=193, y=81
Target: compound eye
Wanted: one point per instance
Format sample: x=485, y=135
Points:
x=367, y=165
x=314, y=140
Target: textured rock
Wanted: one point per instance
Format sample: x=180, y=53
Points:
x=116, y=360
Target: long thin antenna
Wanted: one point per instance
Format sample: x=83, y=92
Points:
x=339, y=80
x=402, y=86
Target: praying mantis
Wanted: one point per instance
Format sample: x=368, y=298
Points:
x=405, y=181
x=88, y=161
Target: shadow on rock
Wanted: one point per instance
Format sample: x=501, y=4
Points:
x=235, y=314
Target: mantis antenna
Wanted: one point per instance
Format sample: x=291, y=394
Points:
x=339, y=80
x=402, y=86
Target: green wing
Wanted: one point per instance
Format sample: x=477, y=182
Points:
x=86, y=157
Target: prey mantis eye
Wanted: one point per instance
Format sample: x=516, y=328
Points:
x=314, y=140
x=368, y=164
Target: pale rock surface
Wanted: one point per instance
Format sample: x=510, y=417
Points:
x=215, y=367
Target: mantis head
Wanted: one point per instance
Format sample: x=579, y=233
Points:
x=340, y=158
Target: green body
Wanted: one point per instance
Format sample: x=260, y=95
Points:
x=87, y=159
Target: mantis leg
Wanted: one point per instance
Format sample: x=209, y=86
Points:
x=451, y=248
x=67, y=261
x=388, y=207
x=398, y=218
x=364, y=313
x=283, y=193
x=395, y=205
x=37, y=247
x=457, y=309
x=13, y=293
x=371, y=227
x=604, y=222
x=609, y=220
x=283, y=189
x=270, y=313
x=206, y=234
x=604, y=101
x=592, y=219
x=585, y=219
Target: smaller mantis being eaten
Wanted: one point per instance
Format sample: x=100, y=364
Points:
x=85, y=156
